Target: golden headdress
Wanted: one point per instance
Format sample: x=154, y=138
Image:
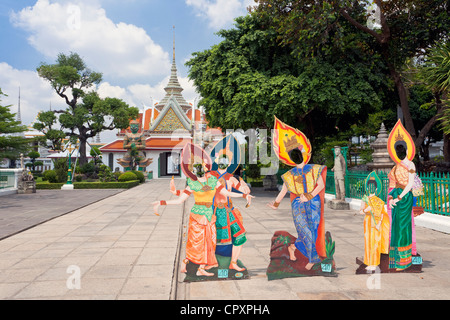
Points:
x=399, y=135
x=286, y=139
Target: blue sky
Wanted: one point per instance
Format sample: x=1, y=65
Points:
x=129, y=41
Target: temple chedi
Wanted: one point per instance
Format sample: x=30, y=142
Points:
x=381, y=161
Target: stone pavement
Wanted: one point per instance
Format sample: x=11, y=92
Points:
x=19, y=212
x=346, y=228
x=118, y=249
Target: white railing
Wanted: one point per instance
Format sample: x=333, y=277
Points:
x=9, y=179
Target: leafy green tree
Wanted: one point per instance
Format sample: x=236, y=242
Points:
x=11, y=144
x=405, y=29
x=248, y=78
x=435, y=73
x=86, y=114
x=33, y=155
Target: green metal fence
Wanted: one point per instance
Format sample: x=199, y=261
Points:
x=436, y=189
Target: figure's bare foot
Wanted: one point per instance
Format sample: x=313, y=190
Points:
x=309, y=265
x=183, y=266
x=201, y=272
x=291, y=250
x=234, y=266
x=211, y=266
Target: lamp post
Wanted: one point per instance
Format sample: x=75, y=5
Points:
x=69, y=184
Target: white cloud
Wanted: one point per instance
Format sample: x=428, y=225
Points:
x=220, y=13
x=144, y=95
x=35, y=94
x=118, y=50
x=125, y=54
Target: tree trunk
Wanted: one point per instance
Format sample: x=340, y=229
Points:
x=403, y=97
x=446, y=148
x=83, y=157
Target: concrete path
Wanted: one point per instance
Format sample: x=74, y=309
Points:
x=116, y=248
x=346, y=228
x=19, y=212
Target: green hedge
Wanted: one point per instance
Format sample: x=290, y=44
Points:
x=48, y=185
x=90, y=185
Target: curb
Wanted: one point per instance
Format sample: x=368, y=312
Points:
x=427, y=220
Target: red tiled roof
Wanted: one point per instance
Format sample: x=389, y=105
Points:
x=166, y=143
x=148, y=117
x=116, y=145
x=151, y=143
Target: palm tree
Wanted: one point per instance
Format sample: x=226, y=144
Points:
x=435, y=73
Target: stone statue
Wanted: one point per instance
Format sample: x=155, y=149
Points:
x=26, y=183
x=339, y=174
x=134, y=143
x=339, y=170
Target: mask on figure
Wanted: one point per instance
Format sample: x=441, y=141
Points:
x=296, y=156
x=400, y=149
x=198, y=170
x=223, y=162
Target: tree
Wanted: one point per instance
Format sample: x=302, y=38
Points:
x=33, y=155
x=248, y=78
x=86, y=114
x=406, y=29
x=435, y=73
x=11, y=144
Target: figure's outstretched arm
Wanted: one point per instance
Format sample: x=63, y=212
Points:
x=240, y=185
x=274, y=204
x=222, y=190
x=179, y=200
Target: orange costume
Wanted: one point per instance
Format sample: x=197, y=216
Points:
x=201, y=241
x=376, y=230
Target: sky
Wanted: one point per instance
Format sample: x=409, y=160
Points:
x=129, y=41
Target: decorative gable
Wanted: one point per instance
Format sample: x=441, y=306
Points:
x=170, y=122
x=171, y=118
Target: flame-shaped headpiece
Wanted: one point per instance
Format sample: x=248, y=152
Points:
x=229, y=147
x=399, y=135
x=194, y=154
x=287, y=138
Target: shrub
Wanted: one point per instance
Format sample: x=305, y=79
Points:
x=105, y=174
x=61, y=168
x=127, y=176
x=105, y=185
x=89, y=185
x=139, y=175
x=50, y=176
x=88, y=168
x=117, y=175
x=44, y=185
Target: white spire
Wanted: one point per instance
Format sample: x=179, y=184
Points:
x=19, y=118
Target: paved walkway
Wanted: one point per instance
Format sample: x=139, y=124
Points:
x=118, y=249
x=19, y=212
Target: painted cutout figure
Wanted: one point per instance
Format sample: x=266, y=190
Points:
x=376, y=225
x=306, y=184
x=201, y=238
x=404, y=184
x=231, y=234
